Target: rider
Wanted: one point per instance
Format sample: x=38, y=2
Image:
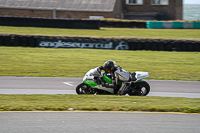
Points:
x=110, y=68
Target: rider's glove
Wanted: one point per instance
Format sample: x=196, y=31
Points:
x=101, y=67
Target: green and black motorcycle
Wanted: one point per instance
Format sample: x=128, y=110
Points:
x=99, y=83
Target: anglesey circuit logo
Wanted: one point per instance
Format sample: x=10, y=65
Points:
x=96, y=45
x=122, y=46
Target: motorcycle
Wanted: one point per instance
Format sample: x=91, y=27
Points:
x=100, y=83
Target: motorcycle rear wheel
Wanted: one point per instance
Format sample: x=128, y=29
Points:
x=141, y=88
x=84, y=89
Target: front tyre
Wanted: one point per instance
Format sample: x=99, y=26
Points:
x=141, y=88
x=84, y=89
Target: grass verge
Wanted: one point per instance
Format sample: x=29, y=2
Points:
x=97, y=103
x=44, y=62
x=105, y=32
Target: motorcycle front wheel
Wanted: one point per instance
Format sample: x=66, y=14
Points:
x=141, y=88
x=84, y=89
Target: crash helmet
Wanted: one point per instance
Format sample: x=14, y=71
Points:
x=109, y=66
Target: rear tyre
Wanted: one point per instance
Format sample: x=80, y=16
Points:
x=141, y=88
x=84, y=89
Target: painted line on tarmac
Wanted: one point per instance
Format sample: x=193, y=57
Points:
x=68, y=83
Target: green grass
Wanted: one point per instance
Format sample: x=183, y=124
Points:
x=97, y=103
x=106, y=32
x=49, y=62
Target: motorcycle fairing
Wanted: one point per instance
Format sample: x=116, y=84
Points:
x=141, y=75
x=111, y=90
x=90, y=83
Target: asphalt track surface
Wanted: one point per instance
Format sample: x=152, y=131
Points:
x=98, y=122
x=59, y=85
